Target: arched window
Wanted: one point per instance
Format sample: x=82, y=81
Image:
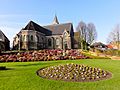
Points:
x=23, y=38
x=57, y=41
x=31, y=37
x=65, y=34
x=49, y=42
x=37, y=38
x=42, y=39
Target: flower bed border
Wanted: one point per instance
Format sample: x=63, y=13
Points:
x=109, y=75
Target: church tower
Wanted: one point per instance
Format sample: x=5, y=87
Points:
x=55, y=21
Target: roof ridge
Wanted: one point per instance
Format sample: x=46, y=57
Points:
x=58, y=24
x=36, y=27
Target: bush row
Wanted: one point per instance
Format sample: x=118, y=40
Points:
x=43, y=55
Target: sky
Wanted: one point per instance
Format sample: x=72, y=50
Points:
x=15, y=14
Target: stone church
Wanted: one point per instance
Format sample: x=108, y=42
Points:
x=4, y=42
x=54, y=36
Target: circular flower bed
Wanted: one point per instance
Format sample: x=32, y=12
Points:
x=73, y=72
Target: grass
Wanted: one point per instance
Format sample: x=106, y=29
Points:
x=22, y=76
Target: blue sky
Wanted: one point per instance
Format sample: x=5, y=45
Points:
x=15, y=14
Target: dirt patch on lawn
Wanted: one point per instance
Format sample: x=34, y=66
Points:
x=115, y=58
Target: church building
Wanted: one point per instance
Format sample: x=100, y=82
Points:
x=36, y=37
x=4, y=42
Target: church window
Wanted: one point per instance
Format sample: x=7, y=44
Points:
x=49, y=42
x=23, y=38
x=31, y=37
x=65, y=34
x=37, y=38
x=42, y=39
x=57, y=41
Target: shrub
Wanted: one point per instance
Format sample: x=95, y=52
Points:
x=42, y=55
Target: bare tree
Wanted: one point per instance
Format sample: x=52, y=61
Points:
x=88, y=34
x=91, y=33
x=82, y=29
x=114, y=37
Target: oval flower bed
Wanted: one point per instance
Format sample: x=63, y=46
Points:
x=73, y=72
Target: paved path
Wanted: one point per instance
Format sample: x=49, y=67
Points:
x=115, y=58
x=103, y=55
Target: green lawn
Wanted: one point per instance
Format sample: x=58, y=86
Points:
x=22, y=76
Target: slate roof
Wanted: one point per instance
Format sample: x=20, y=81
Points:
x=58, y=29
x=3, y=37
x=34, y=26
x=97, y=44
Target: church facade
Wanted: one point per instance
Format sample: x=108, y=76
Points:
x=36, y=37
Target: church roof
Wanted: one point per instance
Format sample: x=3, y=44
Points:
x=3, y=37
x=35, y=27
x=54, y=29
x=58, y=29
